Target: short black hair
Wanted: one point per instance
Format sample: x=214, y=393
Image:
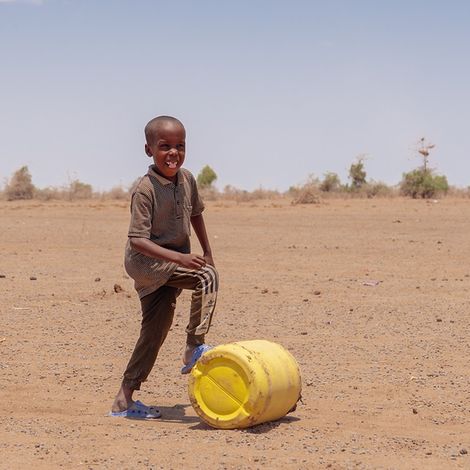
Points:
x=154, y=125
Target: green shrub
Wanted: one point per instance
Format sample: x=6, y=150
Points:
x=357, y=174
x=422, y=183
x=206, y=177
x=20, y=185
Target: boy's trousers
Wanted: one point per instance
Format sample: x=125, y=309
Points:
x=157, y=315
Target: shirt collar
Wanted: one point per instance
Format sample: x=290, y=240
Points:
x=162, y=179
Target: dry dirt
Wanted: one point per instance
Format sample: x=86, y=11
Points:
x=385, y=366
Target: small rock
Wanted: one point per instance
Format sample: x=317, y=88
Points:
x=97, y=279
x=317, y=292
x=415, y=411
x=264, y=291
x=304, y=333
x=305, y=300
x=2, y=276
x=33, y=278
x=118, y=288
x=439, y=320
x=463, y=451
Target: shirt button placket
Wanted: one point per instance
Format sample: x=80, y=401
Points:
x=178, y=203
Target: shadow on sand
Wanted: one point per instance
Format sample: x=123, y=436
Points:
x=258, y=429
x=177, y=414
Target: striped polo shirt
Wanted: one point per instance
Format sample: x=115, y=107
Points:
x=160, y=211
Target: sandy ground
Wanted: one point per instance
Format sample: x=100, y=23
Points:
x=385, y=366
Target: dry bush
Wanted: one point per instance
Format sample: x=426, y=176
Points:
x=20, y=185
x=459, y=192
x=240, y=195
x=79, y=190
x=116, y=193
x=377, y=189
x=50, y=193
x=309, y=193
x=209, y=193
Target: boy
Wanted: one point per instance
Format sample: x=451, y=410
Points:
x=165, y=203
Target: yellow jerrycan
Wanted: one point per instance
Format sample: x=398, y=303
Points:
x=241, y=384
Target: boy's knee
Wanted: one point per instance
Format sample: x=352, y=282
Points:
x=210, y=278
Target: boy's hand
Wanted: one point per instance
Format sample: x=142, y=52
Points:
x=191, y=261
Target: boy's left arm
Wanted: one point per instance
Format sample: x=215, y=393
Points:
x=197, y=221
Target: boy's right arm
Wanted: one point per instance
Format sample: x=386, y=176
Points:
x=152, y=250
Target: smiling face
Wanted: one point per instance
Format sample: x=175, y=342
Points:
x=167, y=146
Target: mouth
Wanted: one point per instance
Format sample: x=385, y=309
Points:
x=172, y=164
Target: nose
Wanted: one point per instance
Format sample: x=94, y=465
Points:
x=173, y=151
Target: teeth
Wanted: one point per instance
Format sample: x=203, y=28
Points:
x=172, y=164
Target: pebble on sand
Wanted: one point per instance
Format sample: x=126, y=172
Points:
x=33, y=278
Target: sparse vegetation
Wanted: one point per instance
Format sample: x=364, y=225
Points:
x=20, y=185
x=378, y=189
x=79, y=190
x=419, y=183
x=116, y=193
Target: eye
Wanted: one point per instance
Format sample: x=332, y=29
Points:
x=164, y=146
x=181, y=147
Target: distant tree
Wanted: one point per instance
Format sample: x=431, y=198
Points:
x=330, y=183
x=423, y=150
x=423, y=182
x=206, y=177
x=357, y=174
x=20, y=185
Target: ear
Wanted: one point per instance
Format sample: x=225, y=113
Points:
x=148, y=151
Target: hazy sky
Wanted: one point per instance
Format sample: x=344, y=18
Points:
x=270, y=91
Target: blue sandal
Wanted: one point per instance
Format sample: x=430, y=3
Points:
x=137, y=411
x=197, y=353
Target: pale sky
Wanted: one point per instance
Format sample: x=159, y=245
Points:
x=269, y=91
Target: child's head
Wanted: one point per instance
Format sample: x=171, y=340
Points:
x=166, y=143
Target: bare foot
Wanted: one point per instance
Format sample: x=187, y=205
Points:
x=188, y=352
x=123, y=399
